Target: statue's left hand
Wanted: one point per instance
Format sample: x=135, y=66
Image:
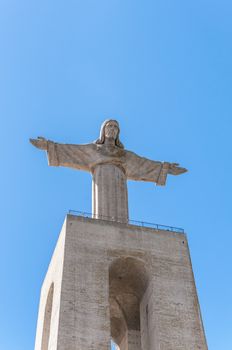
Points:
x=174, y=169
x=40, y=143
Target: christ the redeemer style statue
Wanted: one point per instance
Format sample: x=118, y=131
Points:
x=111, y=165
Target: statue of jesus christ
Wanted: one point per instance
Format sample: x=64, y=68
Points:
x=111, y=165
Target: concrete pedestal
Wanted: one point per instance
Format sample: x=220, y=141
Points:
x=109, y=280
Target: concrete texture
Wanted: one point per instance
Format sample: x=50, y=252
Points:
x=110, y=280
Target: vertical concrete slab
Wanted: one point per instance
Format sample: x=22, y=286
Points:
x=84, y=311
x=53, y=277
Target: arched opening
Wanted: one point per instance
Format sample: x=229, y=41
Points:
x=128, y=280
x=114, y=346
x=47, y=319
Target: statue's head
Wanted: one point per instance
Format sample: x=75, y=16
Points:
x=110, y=129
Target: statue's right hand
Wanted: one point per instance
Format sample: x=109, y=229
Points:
x=40, y=143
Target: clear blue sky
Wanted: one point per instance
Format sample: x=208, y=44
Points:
x=163, y=69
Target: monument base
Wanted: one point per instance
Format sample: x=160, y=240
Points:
x=132, y=284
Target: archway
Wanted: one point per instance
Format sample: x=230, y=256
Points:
x=114, y=346
x=47, y=319
x=128, y=280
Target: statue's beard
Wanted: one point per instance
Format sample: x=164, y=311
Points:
x=111, y=135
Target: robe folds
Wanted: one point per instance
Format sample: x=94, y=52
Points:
x=89, y=156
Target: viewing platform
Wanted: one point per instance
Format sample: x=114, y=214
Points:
x=130, y=222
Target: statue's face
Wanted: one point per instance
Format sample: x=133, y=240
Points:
x=111, y=130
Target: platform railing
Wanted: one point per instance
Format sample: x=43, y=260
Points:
x=132, y=222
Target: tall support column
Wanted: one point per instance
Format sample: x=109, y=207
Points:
x=109, y=193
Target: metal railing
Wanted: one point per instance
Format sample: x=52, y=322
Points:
x=132, y=222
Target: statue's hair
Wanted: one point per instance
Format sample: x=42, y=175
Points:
x=101, y=139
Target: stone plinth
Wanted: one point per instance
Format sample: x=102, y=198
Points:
x=131, y=283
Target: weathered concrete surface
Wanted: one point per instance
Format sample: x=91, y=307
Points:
x=132, y=283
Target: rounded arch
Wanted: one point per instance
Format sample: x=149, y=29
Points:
x=128, y=280
x=114, y=346
x=47, y=318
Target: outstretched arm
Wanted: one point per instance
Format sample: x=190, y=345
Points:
x=143, y=169
x=48, y=146
x=168, y=168
x=71, y=156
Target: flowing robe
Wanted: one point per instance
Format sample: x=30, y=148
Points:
x=88, y=157
x=110, y=166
